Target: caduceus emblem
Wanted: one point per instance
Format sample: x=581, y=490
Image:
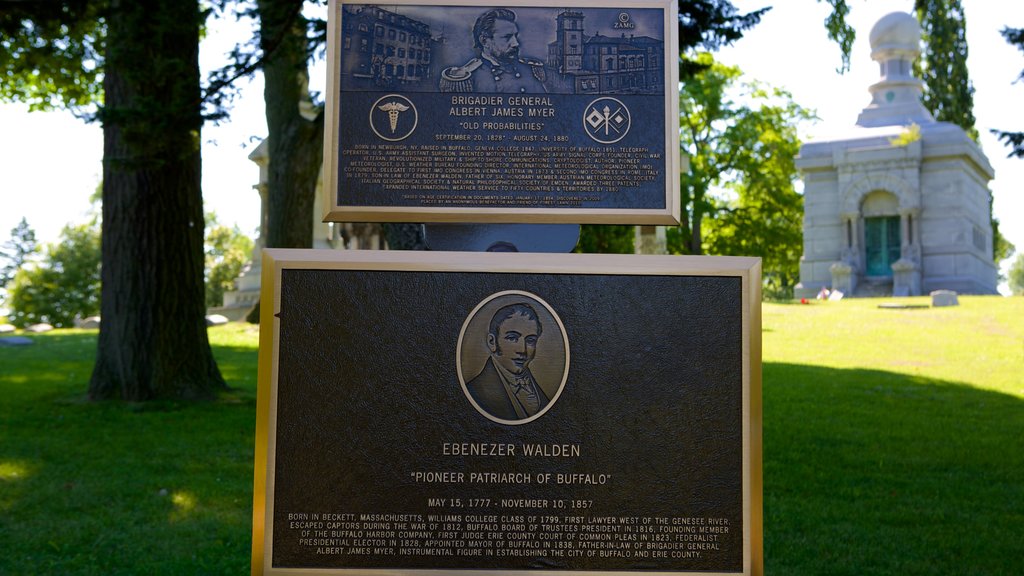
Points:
x=393, y=109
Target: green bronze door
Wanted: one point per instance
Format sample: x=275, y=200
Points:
x=881, y=244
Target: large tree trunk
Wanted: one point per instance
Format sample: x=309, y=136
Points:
x=153, y=341
x=295, y=142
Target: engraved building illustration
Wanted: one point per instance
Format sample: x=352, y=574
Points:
x=383, y=48
x=599, y=64
x=885, y=215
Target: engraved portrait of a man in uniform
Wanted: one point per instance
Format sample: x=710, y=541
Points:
x=502, y=339
x=498, y=67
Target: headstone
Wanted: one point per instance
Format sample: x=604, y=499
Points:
x=39, y=328
x=216, y=320
x=944, y=298
x=90, y=323
x=15, y=341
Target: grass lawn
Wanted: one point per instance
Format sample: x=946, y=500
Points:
x=892, y=445
x=894, y=439
x=112, y=488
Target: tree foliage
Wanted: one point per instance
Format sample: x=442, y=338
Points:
x=64, y=285
x=51, y=53
x=17, y=251
x=1016, y=275
x=742, y=142
x=948, y=91
x=764, y=216
x=606, y=239
x=709, y=25
x=1013, y=140
x=227, y=250
x=839, y=31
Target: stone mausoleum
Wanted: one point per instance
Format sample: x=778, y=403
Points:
x=899, y=204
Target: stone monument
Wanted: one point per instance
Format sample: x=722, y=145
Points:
x=899, y=204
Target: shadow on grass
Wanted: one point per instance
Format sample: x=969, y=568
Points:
x=866, y=472
x=121, y=488
x=871, y=472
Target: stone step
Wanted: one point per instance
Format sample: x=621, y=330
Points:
x=873, y=289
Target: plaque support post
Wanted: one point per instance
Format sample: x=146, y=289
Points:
x=501, y=237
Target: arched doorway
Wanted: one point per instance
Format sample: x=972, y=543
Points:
x=882, y=239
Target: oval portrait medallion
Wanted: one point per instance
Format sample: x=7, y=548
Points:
x=512, y=357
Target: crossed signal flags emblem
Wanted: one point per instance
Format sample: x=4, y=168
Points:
x=606, y=120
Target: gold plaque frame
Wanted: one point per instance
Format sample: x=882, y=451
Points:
x=536, y=211
x=278, y=261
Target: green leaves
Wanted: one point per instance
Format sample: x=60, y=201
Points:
x=839, y=31
x=1013, y=140
x=742, y=141
x=17, y=251
x=226, y=252
x=64, y=284
x=949, y=93
x=1016, y=276
x=51, y=54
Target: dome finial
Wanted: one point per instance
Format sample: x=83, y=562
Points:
x=896, y=97
x=896, y=32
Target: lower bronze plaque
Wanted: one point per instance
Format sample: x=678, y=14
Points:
x=508, y=412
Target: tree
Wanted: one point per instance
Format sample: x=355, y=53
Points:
x=742, y=172
x=153, y=341
x=710, y=24
x=1014, y=140
x=295, y=129
x=764, y=214
x=288, y=40
x=1016, y=276
x=64, y=285
x=282, y=48
x=227, y=251
x=948, y=91
x=17, y=251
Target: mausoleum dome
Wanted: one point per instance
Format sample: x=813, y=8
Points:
x=897, y=31
x=896, y=97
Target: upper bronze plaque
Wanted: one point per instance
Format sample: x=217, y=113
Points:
x=521, y=112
